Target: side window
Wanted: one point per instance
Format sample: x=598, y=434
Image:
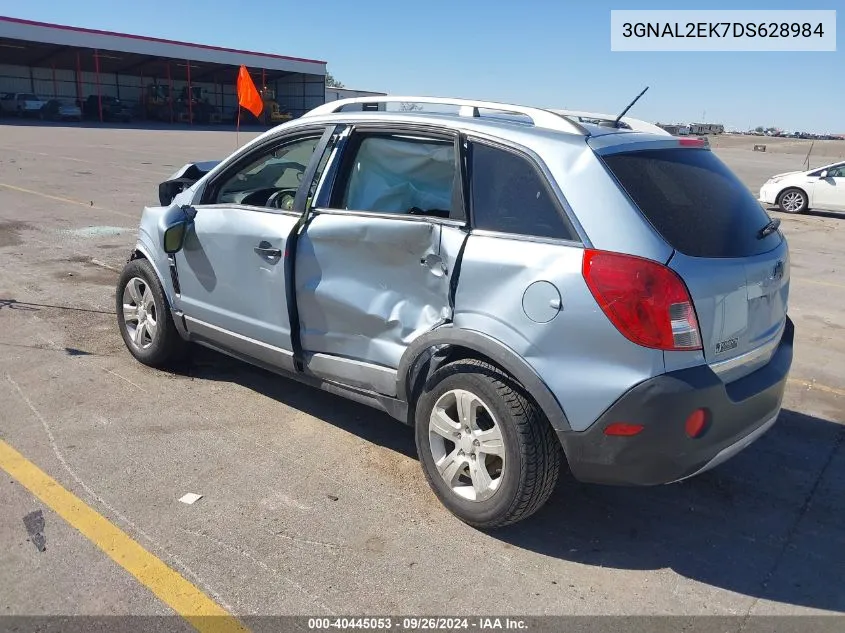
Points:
x=837, y=172
x=510, y=195
x=271, y=179
x=400, y=174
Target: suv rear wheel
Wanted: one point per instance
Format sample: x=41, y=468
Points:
x=144, y=317
x=487, y=451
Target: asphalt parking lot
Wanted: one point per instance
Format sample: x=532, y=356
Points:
x=315, y=505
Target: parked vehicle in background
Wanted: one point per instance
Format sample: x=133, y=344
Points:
x=199, y=110
x=700, y=129
x=61, y=110
x=517, y=285
x=21, y=104
x=113, y=109
x=797, y=191
x=675, y=129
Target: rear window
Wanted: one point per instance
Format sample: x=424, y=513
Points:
x=694, y=201
x=28, y=97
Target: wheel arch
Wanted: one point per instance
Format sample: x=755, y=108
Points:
x=447, y=344
x=789, y=188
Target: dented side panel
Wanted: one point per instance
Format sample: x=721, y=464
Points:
x=531, y=297
x=368, y=286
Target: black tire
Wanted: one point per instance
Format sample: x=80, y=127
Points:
x=793, y=191
x=167, y=346
x=532, y=451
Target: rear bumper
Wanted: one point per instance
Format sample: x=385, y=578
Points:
x=738, y=413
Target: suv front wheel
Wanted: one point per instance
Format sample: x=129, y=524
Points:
x=487, y=451
x=144, y=317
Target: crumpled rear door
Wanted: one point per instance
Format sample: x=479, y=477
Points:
x=368, y=286
x=375, y=259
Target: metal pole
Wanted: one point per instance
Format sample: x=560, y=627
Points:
x=78, y=81
x=170, y=91
x=142, y=96
x=55, y=91
x=99, y=94
x=190, y=97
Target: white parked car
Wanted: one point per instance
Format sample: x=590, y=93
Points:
x=797, y=191
x=21, y=104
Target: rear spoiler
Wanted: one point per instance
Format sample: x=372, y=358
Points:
x=609, y=120
x=182, y=179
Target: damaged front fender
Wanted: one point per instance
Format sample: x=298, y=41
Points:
x=182, y=179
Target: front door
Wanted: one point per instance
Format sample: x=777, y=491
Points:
x=829, y=192
x=372, y=266
x=231, y=270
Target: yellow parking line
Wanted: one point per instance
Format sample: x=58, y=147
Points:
x=80, y=203
x=170, y=587
x=816, y=386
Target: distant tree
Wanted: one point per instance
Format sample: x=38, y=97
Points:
x=759, y=128
x=331, y=82
x=410, y=107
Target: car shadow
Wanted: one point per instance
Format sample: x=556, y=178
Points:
x=768, y=523
x=819, y=213
x=365, y=422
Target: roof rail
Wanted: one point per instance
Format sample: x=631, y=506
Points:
x=541, y=118
x=635, y=124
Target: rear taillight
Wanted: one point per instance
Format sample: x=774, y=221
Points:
x=646, y=301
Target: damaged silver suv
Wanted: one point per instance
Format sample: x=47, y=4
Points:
x=524, y=287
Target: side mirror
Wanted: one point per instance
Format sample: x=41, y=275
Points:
x=823, y=175
x=174, y=237
x=176, y=229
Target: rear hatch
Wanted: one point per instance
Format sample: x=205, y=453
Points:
x=737, y=274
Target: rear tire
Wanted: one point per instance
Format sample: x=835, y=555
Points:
x=144, y=317
x=510, y=470
x=793, y=200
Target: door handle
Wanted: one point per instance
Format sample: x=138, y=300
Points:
x=265, y=249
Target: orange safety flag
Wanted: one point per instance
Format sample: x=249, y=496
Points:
x=248, y=96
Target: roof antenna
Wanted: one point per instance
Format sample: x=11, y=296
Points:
x=630, y=105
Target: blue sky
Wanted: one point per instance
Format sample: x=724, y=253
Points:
x=551, y=53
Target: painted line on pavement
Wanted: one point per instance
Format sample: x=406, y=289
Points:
x=80, y=203
x=205, y=615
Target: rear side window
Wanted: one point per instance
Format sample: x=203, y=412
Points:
x=694, y=201
x=510, y=195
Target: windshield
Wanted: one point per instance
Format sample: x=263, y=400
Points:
x=28, y=97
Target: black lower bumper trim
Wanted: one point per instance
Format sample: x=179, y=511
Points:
x=662, y=452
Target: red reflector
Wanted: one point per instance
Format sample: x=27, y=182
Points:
x=691, y=142
x=646, y=301
x=623, y=428
x=696, y=422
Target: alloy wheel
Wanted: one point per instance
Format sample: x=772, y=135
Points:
x=139, y=313
x=467, y=445
x=792, y=201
